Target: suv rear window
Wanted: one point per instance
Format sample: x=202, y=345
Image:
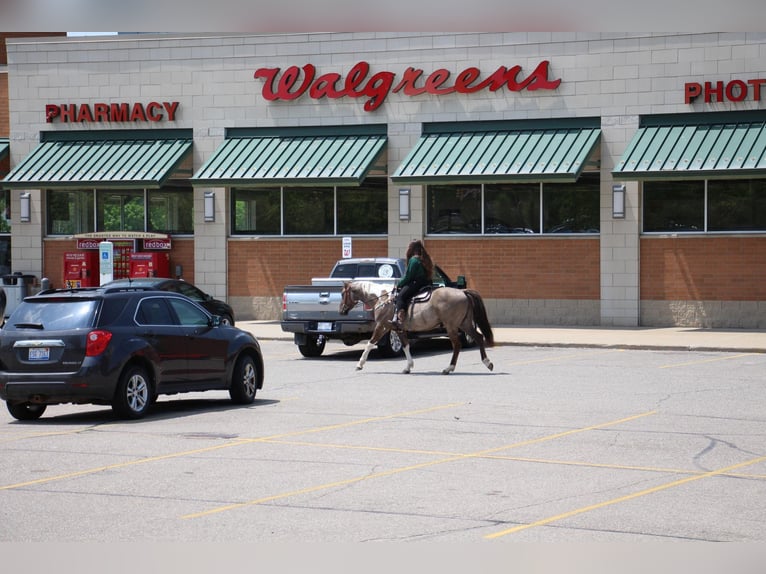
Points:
x=53, y=314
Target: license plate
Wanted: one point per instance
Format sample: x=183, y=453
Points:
x=324, y=326
x=39, y=354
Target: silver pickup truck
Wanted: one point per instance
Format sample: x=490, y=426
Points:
x=311, y=312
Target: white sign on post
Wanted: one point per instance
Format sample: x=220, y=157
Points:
x=346, y=248
x=105, y=262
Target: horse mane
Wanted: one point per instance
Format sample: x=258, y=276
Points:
x=371, y=288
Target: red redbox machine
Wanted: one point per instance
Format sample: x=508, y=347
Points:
x=81, y=269
x=150, y=264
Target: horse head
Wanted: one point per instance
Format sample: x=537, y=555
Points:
x=347, y=298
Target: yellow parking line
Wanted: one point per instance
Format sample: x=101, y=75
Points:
x=237, y=442
x=399, y=470
x=556, y=462
x=638, y=494
x=713, y=360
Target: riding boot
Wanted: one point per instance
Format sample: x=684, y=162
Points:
x=398, y=321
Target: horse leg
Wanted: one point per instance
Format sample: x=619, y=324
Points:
x=406, y=348
x=454, y=338
x=469, y=328
x=379, y=331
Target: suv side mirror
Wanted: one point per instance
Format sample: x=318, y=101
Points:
x=461, y=284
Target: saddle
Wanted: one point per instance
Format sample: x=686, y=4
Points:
x=422, y=296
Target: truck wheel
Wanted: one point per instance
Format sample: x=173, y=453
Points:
x=314, y=346
x=390, y=345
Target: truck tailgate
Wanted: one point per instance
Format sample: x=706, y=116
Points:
x=314, y=303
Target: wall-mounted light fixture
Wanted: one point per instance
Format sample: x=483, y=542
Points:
x=209, y=206
x=404, y=204
x=618, y=201
x=25, y=211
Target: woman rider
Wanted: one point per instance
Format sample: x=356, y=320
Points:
x=419, y=273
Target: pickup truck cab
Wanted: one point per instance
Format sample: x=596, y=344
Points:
x=311, y=312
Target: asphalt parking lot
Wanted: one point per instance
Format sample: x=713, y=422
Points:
x=555, y=444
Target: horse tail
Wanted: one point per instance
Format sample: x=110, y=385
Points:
x=480, y=316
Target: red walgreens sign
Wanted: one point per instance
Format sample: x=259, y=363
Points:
x=294, y=82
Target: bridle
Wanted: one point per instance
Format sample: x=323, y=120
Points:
x=345, y=307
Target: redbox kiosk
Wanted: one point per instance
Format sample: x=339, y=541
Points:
x=81, y=269
x=150, y=264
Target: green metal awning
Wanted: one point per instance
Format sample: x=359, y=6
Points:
x=695, y=150
x=5, y=147
x=292, y=159
x=534, y=151
x=113, y=163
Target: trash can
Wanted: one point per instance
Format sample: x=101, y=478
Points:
x=16, y=287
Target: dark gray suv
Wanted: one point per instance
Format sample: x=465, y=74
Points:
x=122, y=347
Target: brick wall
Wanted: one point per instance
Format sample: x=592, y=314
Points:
x=5, y=128
x=703, y=268
x=523, y=268
x=261, y=268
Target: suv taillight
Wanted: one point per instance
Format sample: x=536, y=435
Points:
x=97, y=342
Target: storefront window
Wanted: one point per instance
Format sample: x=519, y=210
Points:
x=572, y=207
x=363, y=210
x=736, y=205
x=359, y=210
x=171, y=211
x=120, y=210
x=256, y=211
x=69, y=212
x=673, y=206
x=512, y=208
x=309, y=211
x=454, y=209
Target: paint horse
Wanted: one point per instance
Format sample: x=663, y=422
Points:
x=454, y=309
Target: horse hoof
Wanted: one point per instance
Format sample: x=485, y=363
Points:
x=358, y=368
x=406, y=372
x=446, y=371
x=488, y=364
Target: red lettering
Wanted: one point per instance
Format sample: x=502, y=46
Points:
x=465, y=78
x=435, y=80
x=691, y=91
x=51, y=111
x=68, y=113
x=736, y=91
x=170, y=108
x=377, y=89
x=355, y=78
x=119, y=112
x=411, y=75
x=288, y=85
x=325, y=86
x=711, y=91
x=151, y=114
x=756, y=88
x=268, y=74
x=289, y=78
x=101, y=112
x=138, y=113
x=84, y=115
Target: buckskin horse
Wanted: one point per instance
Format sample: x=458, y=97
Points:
x=454, y=309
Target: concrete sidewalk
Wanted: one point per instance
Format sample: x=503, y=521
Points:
x=674, y=338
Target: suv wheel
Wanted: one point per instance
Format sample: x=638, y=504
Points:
x=390, y=345
x=134, y=393
x=25, y=411
x=244, y=381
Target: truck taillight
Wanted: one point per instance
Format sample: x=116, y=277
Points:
x=97, y=342
x=284, y=302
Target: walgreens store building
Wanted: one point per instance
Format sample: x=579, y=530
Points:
x=573, y=178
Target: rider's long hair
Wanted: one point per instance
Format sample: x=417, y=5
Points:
x=416, y=248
